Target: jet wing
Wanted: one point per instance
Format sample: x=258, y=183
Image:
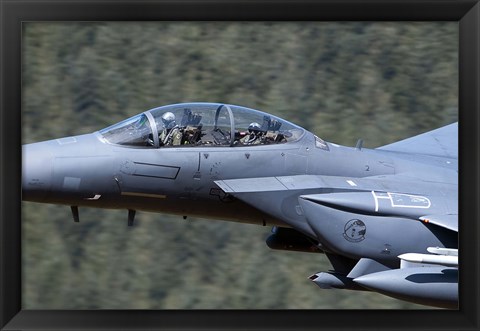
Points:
x=376, y=196
x=449, y=221
x=334, y=184
x=441, y=142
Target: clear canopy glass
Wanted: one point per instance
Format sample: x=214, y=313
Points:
x=201, y=124
x=135, y=131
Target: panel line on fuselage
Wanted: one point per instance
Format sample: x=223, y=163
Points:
x=146, y=195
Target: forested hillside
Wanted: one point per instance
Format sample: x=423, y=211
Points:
x=377, y=81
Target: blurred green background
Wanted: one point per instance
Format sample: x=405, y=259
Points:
x=377, y=81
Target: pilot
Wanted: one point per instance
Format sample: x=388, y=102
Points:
x=254, y=136
x=171, y=134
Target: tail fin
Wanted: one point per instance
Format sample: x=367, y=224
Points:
x=439, y=142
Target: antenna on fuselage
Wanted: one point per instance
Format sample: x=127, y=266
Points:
x=359, y=145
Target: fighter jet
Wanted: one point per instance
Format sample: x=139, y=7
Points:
x=386, y=218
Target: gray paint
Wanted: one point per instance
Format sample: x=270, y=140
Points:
x=356, y=203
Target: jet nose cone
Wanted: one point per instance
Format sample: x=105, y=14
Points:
x=36, y=171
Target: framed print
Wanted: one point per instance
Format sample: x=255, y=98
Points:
x=73, y=68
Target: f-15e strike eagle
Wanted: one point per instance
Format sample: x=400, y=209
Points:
x=386, y=218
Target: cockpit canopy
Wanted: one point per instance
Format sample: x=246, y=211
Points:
x=201, y=124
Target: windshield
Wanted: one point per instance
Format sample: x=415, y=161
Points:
x=202, y=124
x=135, y=131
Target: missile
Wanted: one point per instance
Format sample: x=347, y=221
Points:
x=443, y=251
x=445, y=260
x=432, y=286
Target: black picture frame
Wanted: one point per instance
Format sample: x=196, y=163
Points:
x=14, y=12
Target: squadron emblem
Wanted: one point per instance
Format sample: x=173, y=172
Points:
x=354, y=231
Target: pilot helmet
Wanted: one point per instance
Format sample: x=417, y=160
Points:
x=168, y=120
x=254, y=127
